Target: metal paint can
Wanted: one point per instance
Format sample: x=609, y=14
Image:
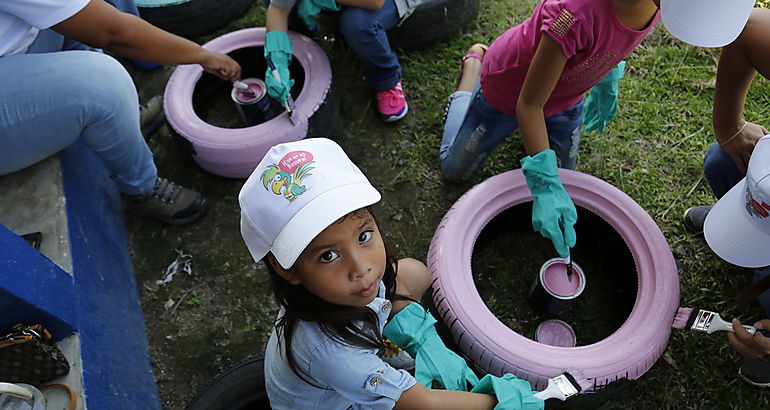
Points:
x=554, y=332
x=553, y=292
x=253, y=104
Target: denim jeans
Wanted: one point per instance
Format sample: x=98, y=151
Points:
x=720, y=170
x=365, y=31
x=50, y=98
x=474, y=128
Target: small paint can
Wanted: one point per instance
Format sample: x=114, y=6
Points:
x=253, y=104
x=555, y=332
x=554, y=291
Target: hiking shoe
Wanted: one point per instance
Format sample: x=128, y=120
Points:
x=391, y=104
x=151, y=115
x=756, y=371
x=397, y=358
x=695, y=217
x=168, y=202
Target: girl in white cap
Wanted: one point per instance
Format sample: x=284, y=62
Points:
x=306, y=212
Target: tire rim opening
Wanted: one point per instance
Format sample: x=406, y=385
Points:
x=211, y=98
x=506, y=261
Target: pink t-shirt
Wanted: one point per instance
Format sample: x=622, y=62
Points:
x=591, y=35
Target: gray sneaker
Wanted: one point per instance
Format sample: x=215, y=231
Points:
x=151, y=115
x=756, y=371
x=169, y=202
x=695, y=217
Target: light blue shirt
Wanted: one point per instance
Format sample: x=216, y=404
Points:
x=352, y=377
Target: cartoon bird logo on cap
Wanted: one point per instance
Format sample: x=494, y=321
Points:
x=286, y=177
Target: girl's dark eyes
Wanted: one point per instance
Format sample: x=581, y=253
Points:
x=365, y=236
x=329, y=256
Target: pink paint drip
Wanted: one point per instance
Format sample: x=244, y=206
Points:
x=556, y=280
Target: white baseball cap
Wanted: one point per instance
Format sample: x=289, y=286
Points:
x=738, y=226
x=705, y=23
x=297, y=190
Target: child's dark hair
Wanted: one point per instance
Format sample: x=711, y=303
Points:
x=336, y=321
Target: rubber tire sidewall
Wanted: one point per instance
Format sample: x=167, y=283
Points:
x=432, y=22
x=494, y=348
x=195, y=18
x=245, y=379
x=235, y=152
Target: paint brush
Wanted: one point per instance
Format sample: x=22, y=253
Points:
x=245, y=87
x=565, y=386
x=569, y=267
x=707, y=321
x=289, y=100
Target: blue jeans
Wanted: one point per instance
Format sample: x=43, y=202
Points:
x=50, y=98
x=474, y=128
x=365, y=31
x=720, y=170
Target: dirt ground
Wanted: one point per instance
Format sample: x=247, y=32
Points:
x=200, y=323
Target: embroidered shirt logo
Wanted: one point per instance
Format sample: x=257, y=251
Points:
x=562, y=24
x=755, y=208
x=286, y=177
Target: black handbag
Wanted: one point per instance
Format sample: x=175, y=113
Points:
x=28, y=355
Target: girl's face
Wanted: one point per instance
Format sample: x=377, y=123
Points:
x=344, y=264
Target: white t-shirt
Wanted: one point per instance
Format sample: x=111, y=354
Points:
x=21, y=20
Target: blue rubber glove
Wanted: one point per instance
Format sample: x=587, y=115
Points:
x=602, y=102
x=309, y=8
x=412, y=330
x=278, y=50
x=553, y=212
x=512, y=393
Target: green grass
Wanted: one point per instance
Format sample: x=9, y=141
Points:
x=652, y=150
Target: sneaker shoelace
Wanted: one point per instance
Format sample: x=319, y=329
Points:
x=392, y=95
x=166, y=191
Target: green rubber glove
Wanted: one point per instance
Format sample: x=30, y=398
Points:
x=602, y=102
x=309, y=8
x=278, y=51
x=512, y=393
x=553, y=212
x=412, y=330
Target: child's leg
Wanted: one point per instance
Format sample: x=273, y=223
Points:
x=564, y=134
x=472, y=130
x=412, y=281
x=365, y=32
x=720, y=170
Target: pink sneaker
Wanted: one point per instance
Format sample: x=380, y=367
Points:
x=392, y=103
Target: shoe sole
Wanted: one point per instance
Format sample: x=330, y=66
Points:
x=749, y=381
x=154, y=124
x=687, y=226
x=392, y=118
x=181, y=221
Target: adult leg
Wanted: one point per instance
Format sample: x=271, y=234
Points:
x=52, y=99
x=564, y=134
x=720, y=170
x=472, y=130
x=365, y=32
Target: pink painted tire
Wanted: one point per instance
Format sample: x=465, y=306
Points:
x=235, y=152
x=492, y=347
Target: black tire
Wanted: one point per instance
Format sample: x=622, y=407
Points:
x=239, y=387
x=194, y=18
x=432, y=22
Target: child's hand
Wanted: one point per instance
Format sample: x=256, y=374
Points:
x=602, y=102
x=278, y=52
x=739, y=146
x=747, y=345
x=553, y=212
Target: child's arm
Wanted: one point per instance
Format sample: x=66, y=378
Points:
x=738, y=65
x=418, y=397
x=363, y=4
x=542, y=76
x=553, y=213
x=278, y=50
x=277, y=18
